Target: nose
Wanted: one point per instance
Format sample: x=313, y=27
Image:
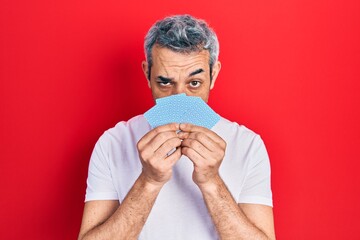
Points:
x=178, y=89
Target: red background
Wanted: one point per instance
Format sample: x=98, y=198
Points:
x=71, y=69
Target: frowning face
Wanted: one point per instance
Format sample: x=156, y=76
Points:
x=175, y=73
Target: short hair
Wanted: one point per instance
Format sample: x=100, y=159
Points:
x=183, y=34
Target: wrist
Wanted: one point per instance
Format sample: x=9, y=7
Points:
x=150, y=184
x=211, y=186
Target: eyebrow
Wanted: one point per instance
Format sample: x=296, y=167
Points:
x=165, y=79
x=200, y=70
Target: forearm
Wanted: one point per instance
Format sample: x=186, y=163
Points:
x=229, y=219
x=128, y=220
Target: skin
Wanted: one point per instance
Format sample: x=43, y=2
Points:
x=174, y=73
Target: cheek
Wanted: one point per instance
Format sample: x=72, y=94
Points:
x=158, y=93
x=202, y=93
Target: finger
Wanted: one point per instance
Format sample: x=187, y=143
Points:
x=174, y=157
x=160, y=139
x=196, y=146
x=187, y=127
x=151, y=134
x=194, y=156
x=183, y=135
x=202, y=138
x=166, y=147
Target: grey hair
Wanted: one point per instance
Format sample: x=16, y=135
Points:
x=183, y=34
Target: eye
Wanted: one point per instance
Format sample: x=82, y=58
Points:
x=195, y=84
x=165, y=83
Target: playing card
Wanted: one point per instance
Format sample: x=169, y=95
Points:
x=181, y=109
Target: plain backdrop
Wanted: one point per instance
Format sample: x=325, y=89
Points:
x=71, y=69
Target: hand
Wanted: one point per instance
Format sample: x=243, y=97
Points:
x=205, y=149
x=153, y=151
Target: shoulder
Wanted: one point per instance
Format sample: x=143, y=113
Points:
x=229, y=130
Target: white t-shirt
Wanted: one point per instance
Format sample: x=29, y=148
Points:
x=179, y=211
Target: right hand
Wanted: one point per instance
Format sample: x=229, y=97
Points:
x=153, y=151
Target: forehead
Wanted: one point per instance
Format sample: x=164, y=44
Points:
x=164, y=57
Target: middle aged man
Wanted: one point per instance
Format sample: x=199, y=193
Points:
x=217, y=182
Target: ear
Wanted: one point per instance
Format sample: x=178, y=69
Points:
x=215, y=73
x=145, y=69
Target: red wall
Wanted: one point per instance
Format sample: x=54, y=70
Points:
x=71, y=69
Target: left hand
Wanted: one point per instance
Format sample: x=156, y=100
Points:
x=205, y=149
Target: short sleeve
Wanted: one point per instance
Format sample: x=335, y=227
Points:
x=99, y=182
x=257, y=184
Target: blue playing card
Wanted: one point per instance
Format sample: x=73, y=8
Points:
x=181, y=109
x=200, y=114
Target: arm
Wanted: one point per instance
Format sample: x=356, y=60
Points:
x=233, y=221
x=246, y=221
x=108, y=219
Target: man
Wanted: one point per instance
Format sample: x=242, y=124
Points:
x=216, y=185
